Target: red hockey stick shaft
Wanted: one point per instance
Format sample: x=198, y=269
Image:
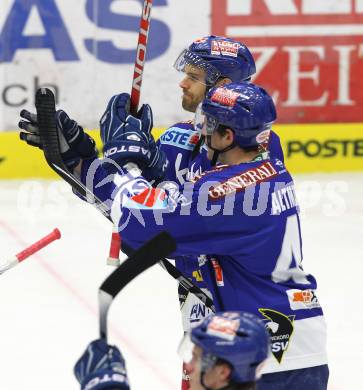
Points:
x=140, y=59
x=140, y=55
x=37, y=246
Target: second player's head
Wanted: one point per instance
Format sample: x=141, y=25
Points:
x=226, y=351
x=235, y=118
x=212, y=61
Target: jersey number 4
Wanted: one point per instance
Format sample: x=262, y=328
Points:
x=290, y=252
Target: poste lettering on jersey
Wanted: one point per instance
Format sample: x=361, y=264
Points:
x=243, y=180
x=181, y=138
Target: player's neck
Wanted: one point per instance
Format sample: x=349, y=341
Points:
x=237, y=156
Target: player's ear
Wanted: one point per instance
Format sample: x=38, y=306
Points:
x=229, y=133
x=223, y=81
x=224, y=372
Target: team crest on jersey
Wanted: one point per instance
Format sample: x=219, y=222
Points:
x=280, y=328
x=243, y=180
x=224, y=48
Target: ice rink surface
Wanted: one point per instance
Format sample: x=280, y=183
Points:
x=49, y=303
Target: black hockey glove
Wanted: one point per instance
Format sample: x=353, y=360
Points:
x=128, y=139
x=75, y=144
x=101, y=367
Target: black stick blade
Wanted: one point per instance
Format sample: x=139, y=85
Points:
x=45, y=105
x=142, y=259
x=149, y=254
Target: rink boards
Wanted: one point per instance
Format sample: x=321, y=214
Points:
x=307, y=148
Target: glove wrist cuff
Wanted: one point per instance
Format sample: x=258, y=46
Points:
x=105, y=379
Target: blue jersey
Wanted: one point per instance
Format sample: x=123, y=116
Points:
x=178, y=143
x=242, y=224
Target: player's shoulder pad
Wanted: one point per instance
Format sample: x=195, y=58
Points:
x=181, y=135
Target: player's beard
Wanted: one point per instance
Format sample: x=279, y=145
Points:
x=192, y=98
x=190, y=103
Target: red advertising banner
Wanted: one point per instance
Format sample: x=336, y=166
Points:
x=309, y=53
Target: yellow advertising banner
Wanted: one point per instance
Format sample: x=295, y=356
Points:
x=307, y=148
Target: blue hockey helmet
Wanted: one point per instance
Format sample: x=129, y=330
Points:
x=238, y=338
x=218, y=57
x=245, y=108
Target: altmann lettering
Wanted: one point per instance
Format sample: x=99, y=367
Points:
x=283, y=199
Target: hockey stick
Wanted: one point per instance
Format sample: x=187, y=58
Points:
x=30, y=250
x=45, y=105
x=145, y=257
x=115, y=245
x=140, y=55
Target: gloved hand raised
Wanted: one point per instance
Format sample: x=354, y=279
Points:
x=101, y=366
x=125, y=138
x=75, y=144
x=128, y=139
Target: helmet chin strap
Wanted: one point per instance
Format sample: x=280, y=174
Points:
x=217, y=152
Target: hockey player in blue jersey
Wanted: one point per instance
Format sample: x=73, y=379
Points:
x=240, y=218
x=226, y=351
x=207, y=62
